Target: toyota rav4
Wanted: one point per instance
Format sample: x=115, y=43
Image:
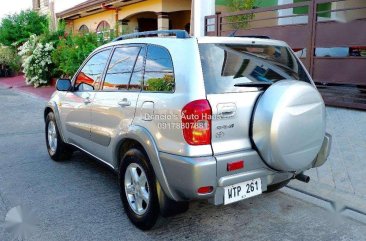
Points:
x=181, y=118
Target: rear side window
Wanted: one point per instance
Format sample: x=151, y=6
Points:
x=120, y=68
x=225, y=65
x=159, y=71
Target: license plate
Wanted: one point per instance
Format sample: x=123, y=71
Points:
x=242, y=191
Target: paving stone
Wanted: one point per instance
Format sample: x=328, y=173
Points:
x=345, y=168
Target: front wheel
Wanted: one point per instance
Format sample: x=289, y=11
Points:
x=138, y=191
x=56, y=147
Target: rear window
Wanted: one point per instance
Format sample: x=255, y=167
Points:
x=159, y=70
x=225, y=65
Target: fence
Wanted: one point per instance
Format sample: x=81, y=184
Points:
x=328, y=35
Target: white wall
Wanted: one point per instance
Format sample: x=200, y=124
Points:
x=201, y=8
x=287, y=12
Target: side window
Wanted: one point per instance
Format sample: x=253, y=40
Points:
x=138, y=73
x=120, y=68
x=159, y=71
x=89, y=78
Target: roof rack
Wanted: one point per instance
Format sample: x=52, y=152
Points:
x=252, y=36
x=181, y=34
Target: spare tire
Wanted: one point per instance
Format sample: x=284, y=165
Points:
x=288, y=125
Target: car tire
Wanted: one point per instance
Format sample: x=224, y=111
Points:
x=138, y=189
x=277, y=186
x=56, y=147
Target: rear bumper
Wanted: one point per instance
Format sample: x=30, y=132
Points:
x=324, y=151
x=186, y=174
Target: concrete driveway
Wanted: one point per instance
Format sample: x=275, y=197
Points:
x=79, y=200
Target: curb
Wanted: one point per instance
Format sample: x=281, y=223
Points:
x=20, y=90
x=340, y=201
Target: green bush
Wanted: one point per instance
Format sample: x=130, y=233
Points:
x=71, y=51
x=165, y=84
x=37, y=63
x=9, y=58
x=16, y=29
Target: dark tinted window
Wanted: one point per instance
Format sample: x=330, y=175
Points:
x=138, y=72
x=159, y=71
x=90, y=76
x=227, y=65
x=120, y=68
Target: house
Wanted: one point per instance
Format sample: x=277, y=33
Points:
x=127, y=16
x=42, y=6
x=46, y=7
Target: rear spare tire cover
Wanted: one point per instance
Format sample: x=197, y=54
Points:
x=289, y=125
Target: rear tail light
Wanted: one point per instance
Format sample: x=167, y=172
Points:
x=196, y=120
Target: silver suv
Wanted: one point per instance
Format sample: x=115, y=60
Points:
x=182, y=118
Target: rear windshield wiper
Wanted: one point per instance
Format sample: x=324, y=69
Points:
x=254, y=84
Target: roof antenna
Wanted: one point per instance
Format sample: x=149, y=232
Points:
x=233, y=33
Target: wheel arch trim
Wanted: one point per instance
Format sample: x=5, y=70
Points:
x=53, y=107
x=142, y=136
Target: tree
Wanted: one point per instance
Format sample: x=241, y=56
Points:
x=15, y=29
x=71, y=51
x=240, y=21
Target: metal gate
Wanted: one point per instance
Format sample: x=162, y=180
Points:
x=330, y=36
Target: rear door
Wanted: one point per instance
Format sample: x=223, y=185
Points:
x=113, y=107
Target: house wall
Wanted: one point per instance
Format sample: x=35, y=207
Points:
x=178, y=11
x=180, y=19
x=133, y=21
x=45, y=6
x=147, y=6
x=176, y=5
x=93, y=21
x=42, y=6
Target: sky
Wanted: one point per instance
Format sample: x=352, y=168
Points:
x=14, y=6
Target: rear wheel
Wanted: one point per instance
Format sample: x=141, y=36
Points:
x=56, y=147
x=138, y=189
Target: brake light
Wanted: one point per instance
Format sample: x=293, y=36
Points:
x=196, y=120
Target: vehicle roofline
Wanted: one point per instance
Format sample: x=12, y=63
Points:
x=149, y=40
x=200, y=40
x=241, y=40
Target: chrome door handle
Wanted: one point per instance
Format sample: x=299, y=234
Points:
x=124, y=103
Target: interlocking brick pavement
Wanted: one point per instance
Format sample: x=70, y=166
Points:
x=345, y=169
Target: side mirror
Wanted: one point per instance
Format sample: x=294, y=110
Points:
x=63, y=85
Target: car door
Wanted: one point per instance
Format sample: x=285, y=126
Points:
x=113, y=107
x=75, y=106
